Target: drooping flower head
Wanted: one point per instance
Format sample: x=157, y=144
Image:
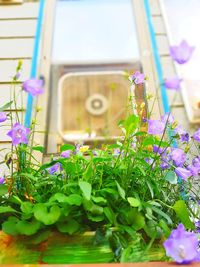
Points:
x=55, y=168
x=183, y=173
x=3, y=116
x=66, y=153
x=182, y=246
x=181, y=53
x=173, y=83
x=155, y=127
x=19, y=134
x=33, y=87
x=2, y=180
x=137, y=77
x=196, y=136
x=178, y=156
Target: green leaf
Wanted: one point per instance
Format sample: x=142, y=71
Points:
x=134, y=202
x=161, y=213
x=165, y=228
x=95, y=218
x=99, y=200
x=171, y=177
x=139, y=220
x=28, y=228
x=38, y=148
x=183, y=214
x=86, y=189
x=109, y=214
x=6, y=209
x=6, y=106
x=9, y=226
x=26, y=207
x=88, y=172
x=131, y=123
x=121, y=191
x=3, y=189
x=46, y=216
x=69, y=227
x=74, y=199
x=66, y=147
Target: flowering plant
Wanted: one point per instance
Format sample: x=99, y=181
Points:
x=131, y=193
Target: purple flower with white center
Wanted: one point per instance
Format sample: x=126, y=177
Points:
x=155, y=127
x=194, y=170
x=3, y=116
x=19, y=134
x=33, y=87
x=182, y=53
x=196, y=162
x=55, y=168
x=2, y=180
x=196, y=136
x=182, y=246
x=178, y=156
x=183, y=173
x=173, y=83
x=66, y=154
x=167, y=118
x=138, y=77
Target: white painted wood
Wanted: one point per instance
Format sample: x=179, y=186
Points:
x=17, y=28
x=8, y=70
x=155, y=7
x=25, y=11
x=163, y=45
x=168, y=67
x=6, y=90
x=159, y=26
x=12, y=48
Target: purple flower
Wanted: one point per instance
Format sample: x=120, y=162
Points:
x=182, y=246
x=178, y=156
x=2, y=180
x=196, y=136
x=33, y=87
x=183, y=173
x=194, y=170
x=173, y=83
x=3, y=116
x=157, y=149
x=184, y=136
x=196, y=162
x=155, y=127
x=167, y=118
x=165, y=159
x=66, y=154
x=19, y=134
x=138, y=77
x=182, y=53
x=55, y=168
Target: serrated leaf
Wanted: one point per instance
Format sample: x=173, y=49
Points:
x=183, y=214
x=86, y=189
x=121, y=191
x=134, y=202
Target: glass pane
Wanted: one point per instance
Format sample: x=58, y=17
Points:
x=94, y=31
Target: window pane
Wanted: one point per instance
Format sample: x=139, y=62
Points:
x=88, y=31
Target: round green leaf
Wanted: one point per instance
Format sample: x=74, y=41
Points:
x=26, y=207
x=134, y=202
x=28, y=228
x=69, y=227
x=46, y=216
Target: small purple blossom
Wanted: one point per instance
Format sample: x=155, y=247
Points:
x=66, y=154
x=196, y=162
x=33, y=87
x=19, y=134
x=196, y=136
x=3, y=116
x=181, y=53
x=173, y=83
x=183, y=135
x=155, y=127
x=2, y=180
x=157, y=149
x=165, y=159
x=182, y=246
x=183, y=173
x=194, y=170
x=55, y=168
x=167, y=118
x=178, y=156
x=138, y=77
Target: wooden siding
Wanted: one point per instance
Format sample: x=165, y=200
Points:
x=17, y=31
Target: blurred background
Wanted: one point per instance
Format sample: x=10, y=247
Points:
x=83, y=49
